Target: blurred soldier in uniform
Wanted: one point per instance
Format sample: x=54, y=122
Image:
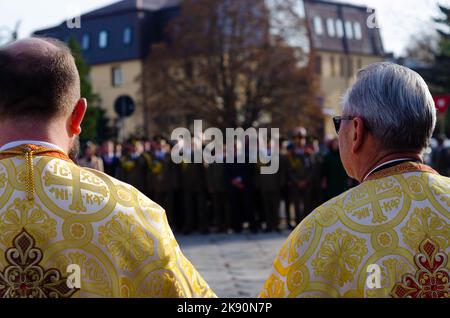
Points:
x=285, y=181
x=111, y=162
x=193, y=186
x=175, y=193
x=215, y=180
x=133, y=166
x=147, y=154
x=90, y=158
x=334, y=178
x=441, y=157
x=269, y=188
x=240, y=181
x=301, y=175
x=315, y=185
x=162, y=170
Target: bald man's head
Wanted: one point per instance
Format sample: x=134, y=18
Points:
x=38, y=80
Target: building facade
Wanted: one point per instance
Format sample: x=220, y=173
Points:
x=115, y=41
x=117, y=38
x=345, y=39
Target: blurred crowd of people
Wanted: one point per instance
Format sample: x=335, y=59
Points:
x=227, y=198
x=440, y=156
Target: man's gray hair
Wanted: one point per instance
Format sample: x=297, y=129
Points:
x=395, y=105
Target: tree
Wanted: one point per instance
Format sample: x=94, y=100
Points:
x=233, y=64
x=422, y=47
x=441, y=78
x=437, y=56
x=95, y=126
x=441, y=69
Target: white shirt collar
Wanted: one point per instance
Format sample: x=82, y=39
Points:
x=13, y=144
x=384, y=164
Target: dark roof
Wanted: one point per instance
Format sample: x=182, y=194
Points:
x=132, y=5
x=371, y=42
x=145, y=18
x=341, y=4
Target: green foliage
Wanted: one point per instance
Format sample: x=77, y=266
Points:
x=95, y=126
x=438, y=75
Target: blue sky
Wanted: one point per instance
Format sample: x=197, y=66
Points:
x=399, y=19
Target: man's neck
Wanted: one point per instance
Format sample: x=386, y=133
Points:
x=12, y=132
x=385, y=158
x=17, y=143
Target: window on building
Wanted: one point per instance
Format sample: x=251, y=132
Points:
x=358, y=31
x=117, y=76
x=330, y=27
x=318, y=25
x=127, y=35
x=103, y=39
x=85, y=42
x=319, y=64
x=333, y=66
x=339, y=28
x=349, y=29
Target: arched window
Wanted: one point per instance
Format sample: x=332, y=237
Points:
x=127, y=35
x=339, y=28
x=357, y=29
x=330, y=27
x=85, y=42
x=103, y=39
x=349, y=29
x=317, y=21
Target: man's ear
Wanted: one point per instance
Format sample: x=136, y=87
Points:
x=77, y=117
x=358, y=134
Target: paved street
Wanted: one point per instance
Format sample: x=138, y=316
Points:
x=233, y=265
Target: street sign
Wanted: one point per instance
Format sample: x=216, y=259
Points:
x=442, y=102
x=124, y=106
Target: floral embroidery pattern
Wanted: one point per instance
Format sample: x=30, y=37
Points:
x=162, y=285
x=127, y=241
x=274, y=288
x=424, y=223
x=339, y=257
x=432, y=280
x=26, y=214
x=25, y=278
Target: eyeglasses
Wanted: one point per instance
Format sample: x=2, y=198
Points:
x=338, y=120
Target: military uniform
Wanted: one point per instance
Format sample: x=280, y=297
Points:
x=441, y=160
x=269, y=189
x=193, y=186
x=285, y=187
x=162, y=169
x=334, y=173
x=215, y=179
x=300, y=175
x=241, y=199
x=134, y=170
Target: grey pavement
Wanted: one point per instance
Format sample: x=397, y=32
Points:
x=234, y=265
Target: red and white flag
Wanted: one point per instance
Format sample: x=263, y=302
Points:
x=442, y=102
